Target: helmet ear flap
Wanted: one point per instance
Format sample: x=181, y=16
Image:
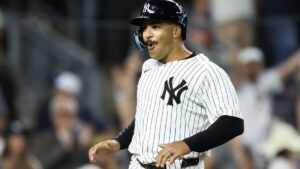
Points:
x=138, y=39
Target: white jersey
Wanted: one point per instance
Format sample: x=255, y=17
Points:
x=177, y=100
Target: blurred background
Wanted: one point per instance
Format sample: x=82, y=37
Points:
x=69, y=69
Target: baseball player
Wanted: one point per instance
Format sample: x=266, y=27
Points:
x=186, y=104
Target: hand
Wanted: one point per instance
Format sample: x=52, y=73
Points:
x=170, y=152
x=101, y=151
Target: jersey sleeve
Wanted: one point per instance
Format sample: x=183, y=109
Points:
x=125, y=136
x=218, y=94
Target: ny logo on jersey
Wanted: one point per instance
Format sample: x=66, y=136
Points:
x=171, y=90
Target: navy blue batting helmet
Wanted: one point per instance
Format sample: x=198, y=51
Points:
x=162, y=10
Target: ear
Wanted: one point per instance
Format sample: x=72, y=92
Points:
x=177, y=32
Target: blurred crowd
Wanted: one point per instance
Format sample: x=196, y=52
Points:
x=255, y=41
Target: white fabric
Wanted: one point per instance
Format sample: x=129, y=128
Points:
x=68, y=82
x=228, y=10
x=281, y=163
x=251, y=54
x=283, y=136
x=256, y=105
x=159, y=119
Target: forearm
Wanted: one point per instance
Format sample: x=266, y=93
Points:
x=286, y=68
x=221, y=131
x=124, y=138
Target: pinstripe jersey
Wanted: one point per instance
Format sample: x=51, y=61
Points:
x=177, y=100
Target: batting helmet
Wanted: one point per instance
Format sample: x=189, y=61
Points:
x=163, y=10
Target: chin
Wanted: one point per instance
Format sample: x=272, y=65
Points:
x=153, y=56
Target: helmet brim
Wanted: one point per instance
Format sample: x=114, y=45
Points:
x=139, y=21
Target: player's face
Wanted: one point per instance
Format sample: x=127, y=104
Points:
x=158, y=37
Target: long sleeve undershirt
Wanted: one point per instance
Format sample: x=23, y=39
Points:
x=222, y=130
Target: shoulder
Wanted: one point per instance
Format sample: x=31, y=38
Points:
x=149, y=64
x=209, y=66
x=201, y=58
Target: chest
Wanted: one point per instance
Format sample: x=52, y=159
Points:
x=171, y=87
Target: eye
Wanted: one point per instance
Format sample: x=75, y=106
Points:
x=156, y=26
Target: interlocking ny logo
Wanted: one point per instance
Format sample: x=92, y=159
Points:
x=147, y=9
x=171, y=90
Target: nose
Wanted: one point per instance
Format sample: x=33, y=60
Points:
x=147, y=33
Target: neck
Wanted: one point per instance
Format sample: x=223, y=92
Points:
x=179, y=52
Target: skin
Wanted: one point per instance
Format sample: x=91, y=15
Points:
x=168, y=45
x=170, y=152
x=100, y=152
x=164, y=43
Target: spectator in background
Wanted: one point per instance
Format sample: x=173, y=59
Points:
x=201, y=40
x=65, y=145
x=234, y=21
x=65, y=85
x=232, y=155
x=124, y=80
x=282, y=147
x=279, y=26
x=200, y=37
x=255, y=87
x=15, y=154
x=200, y=8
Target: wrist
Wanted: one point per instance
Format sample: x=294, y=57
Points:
x=187, y=143
x=186, y=147
x=116, y=144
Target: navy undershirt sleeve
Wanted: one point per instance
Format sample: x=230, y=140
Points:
x=125, y=136
x=222, y=130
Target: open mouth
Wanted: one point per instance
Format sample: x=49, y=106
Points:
x=151, y=44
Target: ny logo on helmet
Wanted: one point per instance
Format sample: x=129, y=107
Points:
x=147, y=9
x=171, y=90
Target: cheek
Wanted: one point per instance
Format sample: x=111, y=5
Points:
x=143, y=37
x=164, y=40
